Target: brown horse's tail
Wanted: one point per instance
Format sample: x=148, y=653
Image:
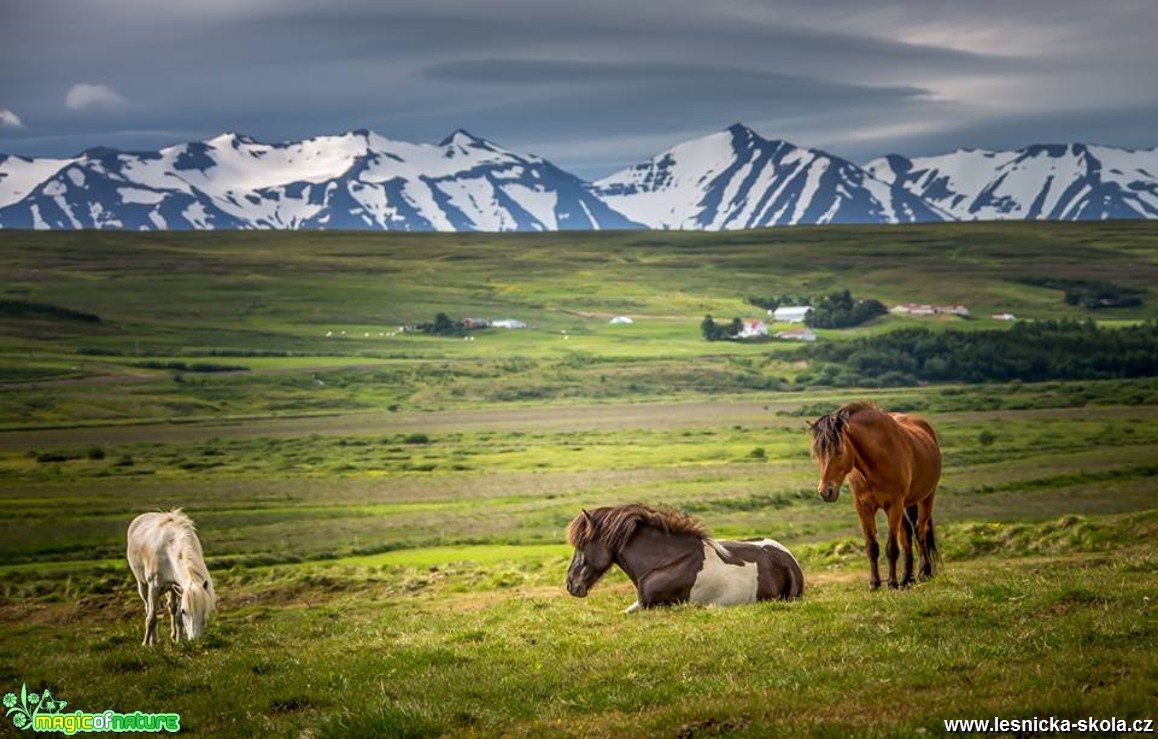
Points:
x=930, y=539
x=934, y=552
x=911, y=521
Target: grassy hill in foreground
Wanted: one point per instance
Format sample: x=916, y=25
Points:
x=1055, y=621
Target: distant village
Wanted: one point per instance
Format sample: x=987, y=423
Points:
x=756, y=328
x=748, y=329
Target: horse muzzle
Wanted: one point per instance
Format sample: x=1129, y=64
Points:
x=579, y=590
x=829, y=493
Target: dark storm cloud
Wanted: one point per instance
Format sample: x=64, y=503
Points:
x=572, y=89
x=590, y=85
x=595, y=98
x=1128, y=126
x=733, y=80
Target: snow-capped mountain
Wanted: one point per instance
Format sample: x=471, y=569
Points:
x=727, y=180
x=736, y=179
x=358, y=180
x=1042, y=182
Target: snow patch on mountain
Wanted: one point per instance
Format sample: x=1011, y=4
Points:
x=20, y=176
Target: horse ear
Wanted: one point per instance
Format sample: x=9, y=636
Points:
x=809, y=424
x=587, y=516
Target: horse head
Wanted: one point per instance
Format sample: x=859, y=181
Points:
x=196, y=602
x=593, y=556
x=830, y=450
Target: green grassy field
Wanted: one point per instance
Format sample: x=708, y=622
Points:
x=263, y=303
x=383, y=513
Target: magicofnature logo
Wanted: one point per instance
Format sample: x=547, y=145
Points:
x=43, y=712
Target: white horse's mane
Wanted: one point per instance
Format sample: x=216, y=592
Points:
x=199, y=592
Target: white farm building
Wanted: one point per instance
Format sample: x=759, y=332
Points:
x=913, y=309
x=791, y=313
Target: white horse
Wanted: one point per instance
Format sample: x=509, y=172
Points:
x=165, y=557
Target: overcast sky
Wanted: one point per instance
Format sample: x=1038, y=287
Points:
x=593, y=85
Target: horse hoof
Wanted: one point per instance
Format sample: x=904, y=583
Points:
x=875, y=585
x=894, y=586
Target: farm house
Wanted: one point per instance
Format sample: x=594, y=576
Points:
x=797, y=334
x=913, y=309
x=752, y=329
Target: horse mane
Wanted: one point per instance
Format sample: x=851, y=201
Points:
x=614, y=525
x=199, y=595
x=828, y=429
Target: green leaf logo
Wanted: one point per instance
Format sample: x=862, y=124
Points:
x=26, y=706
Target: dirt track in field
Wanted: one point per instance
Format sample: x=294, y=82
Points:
x=603, y=417
x=528, y=420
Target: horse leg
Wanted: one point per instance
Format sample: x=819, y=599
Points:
x=896, y=514
x=908, y=517
x=924, y=536
x=151, y=604
x=174, y=621
x=143, y=591
x=872, y=550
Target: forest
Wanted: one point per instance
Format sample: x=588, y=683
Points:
x=1032, y=351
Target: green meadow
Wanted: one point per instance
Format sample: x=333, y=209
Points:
x=383, y=511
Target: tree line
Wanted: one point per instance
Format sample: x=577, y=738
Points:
x=444, y=325
x=1032, y=351
x=29, y=309
x=841, y=310
x=1092, y=294
x=712, y=331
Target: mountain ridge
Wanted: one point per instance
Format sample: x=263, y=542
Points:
x=728, y=179
x=1038, y=182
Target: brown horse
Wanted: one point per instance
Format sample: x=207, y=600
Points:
x=670, y=559
x=892, y=461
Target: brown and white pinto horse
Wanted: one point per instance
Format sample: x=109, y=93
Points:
x=670, y=559
x=892, y=462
